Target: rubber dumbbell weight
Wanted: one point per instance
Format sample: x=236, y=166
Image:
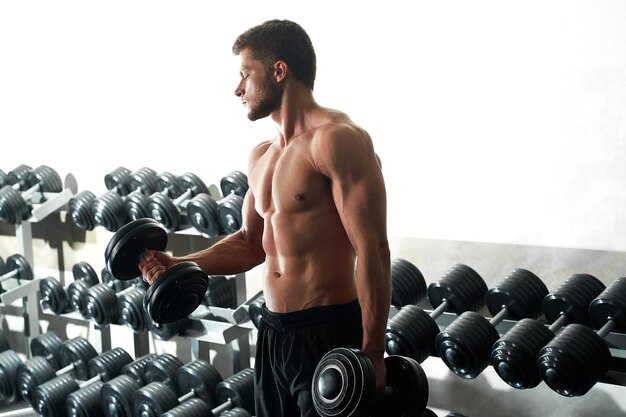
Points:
x=167, y=211
x=64, y=395
x=344, y=384
x=59, y=300
x=196, y=380
x=412, y=331
x=116, y=395
x=45, y=345
x=408, y=285
x=15, y=268
x=465, y=345
x=220, y=293
x=514, y=355
x=15, y=205
x=80, y=205
x=101, y=301
x=17, y=175
x=576, y=358
x=73, y=356
x=255, y=310
x=235, y=182
x=110, y=210
x=177, y=292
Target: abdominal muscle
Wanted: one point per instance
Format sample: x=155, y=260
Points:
x=309, y=261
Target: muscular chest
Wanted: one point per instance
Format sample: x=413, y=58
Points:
x=285, y=180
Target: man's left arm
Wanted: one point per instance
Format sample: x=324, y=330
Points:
x=346, y=155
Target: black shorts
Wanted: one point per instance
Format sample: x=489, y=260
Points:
x=289, y=347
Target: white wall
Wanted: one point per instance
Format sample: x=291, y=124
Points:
x=496, y=121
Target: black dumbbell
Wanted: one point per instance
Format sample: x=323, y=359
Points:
x=211, y=217
x=73, y=356
x=234, y=393
x=195, y=380
x=220, y=293
x=16, y=267
x=465, y=345
x=202, y=215
x=110, y=211
x=4, y=343
x=116, y=395
x=412, y=331
x=177, y=292
x=89, y=401
x=408, y=285
x=54, y=398
x=17, y=175
x=255, y=310
x=344, y=384
x=235, y=182
x=575, y=360
x=45, y=346
x=59, y=300
x=514, y=356
x=14, y=204
x=166, y=210
x=102, y=301
x=138, y=201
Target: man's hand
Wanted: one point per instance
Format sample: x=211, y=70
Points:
x=381, y=375
x=153, y=264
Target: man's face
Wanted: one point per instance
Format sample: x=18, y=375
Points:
x=257, y=87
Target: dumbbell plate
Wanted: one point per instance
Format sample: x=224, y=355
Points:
x=409, y=385
x=123, y=251
x=176, y=293
x=19, y=263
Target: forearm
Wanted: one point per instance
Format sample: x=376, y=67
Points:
x=234, y=254
x=374, y=292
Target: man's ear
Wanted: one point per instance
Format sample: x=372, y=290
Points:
x=280, y=70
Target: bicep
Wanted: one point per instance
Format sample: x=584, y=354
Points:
x=252, y=222
x=358, y=188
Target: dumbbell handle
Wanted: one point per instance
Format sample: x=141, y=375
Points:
x=502, y=314
x=439, y=310
x=89, y=381
x=227, y=405
x=222, y=407
x=184, y=196
x=32, y=190
x=12, y=273
x=606, y=329
x=65, y=369
x=558, y=323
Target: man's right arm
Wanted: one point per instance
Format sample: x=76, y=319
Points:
x=238, y=252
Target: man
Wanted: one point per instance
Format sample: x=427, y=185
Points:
x=315, y=210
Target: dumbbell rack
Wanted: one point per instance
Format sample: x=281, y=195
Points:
x=204, y=331
x=617, y=371
x=24, y=230
x=101, y=338
x=28, y=294
x=44, y=204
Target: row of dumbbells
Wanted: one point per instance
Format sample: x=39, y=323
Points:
x=551, y=341
x=24, y=186
x=69, y=378
x=107, y=300
x=176, y=202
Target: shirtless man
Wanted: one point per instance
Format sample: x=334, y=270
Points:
x=315, y=214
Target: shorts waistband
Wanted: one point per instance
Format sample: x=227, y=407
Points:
x=310, y=317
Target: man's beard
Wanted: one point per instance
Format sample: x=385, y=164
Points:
x=270, y=99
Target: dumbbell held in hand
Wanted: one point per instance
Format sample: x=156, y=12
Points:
x=344, y=384
x=177, y=292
